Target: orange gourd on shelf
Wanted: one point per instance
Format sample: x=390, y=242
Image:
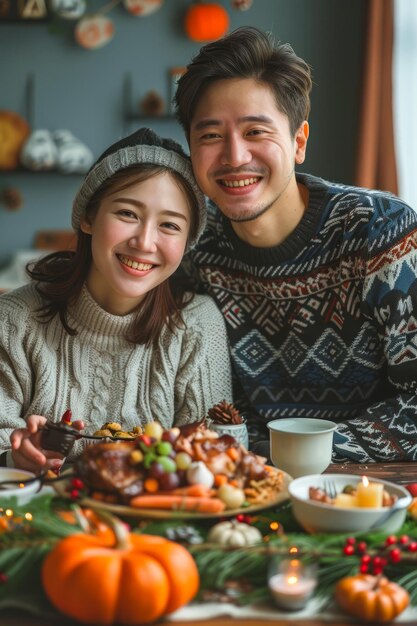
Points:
x=206, y=21
x=134, y=580
x=371, y=598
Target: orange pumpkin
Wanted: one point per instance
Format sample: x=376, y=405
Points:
x=206, y=21
x=371, y=598
x=134, y=581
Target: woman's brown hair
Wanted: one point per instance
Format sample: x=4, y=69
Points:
x=60, y=276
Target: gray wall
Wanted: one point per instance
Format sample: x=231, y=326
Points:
x=82, y=90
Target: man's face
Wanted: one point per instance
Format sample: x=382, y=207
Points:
x=242, y=151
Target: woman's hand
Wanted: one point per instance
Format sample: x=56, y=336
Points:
x=27, y=453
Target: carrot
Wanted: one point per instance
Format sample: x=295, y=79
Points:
x=198, y=490
x=220, y=479
x=232, y=453
x=179, y=502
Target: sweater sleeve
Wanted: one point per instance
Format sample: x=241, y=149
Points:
x=387, y=430
x=204, y=373
x=13, y=371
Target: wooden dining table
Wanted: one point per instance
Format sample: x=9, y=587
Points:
x=400, y=473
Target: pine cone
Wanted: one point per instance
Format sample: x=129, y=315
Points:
x=224, y=413
x=152, y=104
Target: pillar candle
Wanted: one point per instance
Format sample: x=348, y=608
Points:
x=369, y=494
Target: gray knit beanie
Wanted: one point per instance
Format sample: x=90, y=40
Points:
x=142, y=146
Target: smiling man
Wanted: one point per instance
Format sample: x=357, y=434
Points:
x=316, y=280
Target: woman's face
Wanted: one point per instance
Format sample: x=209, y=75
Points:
x=138, y=238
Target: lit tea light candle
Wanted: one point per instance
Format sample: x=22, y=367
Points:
x=369, y=494
x=292, y=585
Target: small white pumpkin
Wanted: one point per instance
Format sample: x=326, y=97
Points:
x=234, y=533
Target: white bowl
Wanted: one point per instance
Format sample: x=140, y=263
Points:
x=24, y=492
x=317, y=517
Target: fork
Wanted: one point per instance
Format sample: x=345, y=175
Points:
x=329, y=487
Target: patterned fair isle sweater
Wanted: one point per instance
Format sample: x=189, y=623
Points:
x=99, y=374
x=325, y=324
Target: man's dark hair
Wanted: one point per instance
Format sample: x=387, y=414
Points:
x=247, y=52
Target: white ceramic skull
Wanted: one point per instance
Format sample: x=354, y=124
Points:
x=68, y=9
x=39, y=152
x=73, y=156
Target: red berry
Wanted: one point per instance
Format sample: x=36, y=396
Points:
x=412, y=488
x=364, y=568
x=361, y=547
x=77, y=483
x=395, y=555
x=365, y=559
x=240, y=517
x=349, y=550
x=377, y=561
x=350, y=541
x=67, y=417
x=145, y=440
x=404, y=539
x=389, y=541
x=412, y=547
x=74, y=494
x=377, y=570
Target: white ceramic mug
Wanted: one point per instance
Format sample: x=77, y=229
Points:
x=301, y=445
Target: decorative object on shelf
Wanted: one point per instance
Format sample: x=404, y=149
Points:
x=11, y=198
x=14, y=131
x=152, y=105
x=206, y=21
x=39, y=152
x=73, y=155
x=68, y=9
x=371, y=598
x=27, y=10
x=133, y=112
x=242, y=5
x=33, y=9
x=140, y=8
x=94, y=31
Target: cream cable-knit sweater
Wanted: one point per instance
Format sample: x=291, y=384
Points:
x=99, y=374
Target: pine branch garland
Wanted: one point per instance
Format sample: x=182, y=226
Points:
x=243, y=571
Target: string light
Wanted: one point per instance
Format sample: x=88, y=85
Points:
x=9, y=521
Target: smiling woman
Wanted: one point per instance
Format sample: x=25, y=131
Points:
x=136, y=235
x=101, y=329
